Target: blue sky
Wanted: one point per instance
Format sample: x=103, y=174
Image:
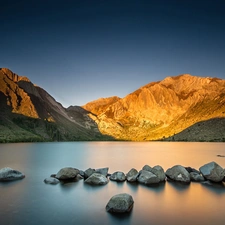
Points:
x=81, y=50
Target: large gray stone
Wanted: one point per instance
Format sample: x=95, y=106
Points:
x=120, y=203
x=118, y=176
x=157, y=170
x=9, y=174
x=132, y=175
x=178, y=173
x=96, y=179
x=146, y=177
x=67, y=173
x=212, y=171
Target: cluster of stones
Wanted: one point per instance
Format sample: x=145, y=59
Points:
x=211, y=172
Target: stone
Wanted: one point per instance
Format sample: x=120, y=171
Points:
x=212, y=172
x=132, y=175
x=118, y=176
x=51, y=180
x=178, y=173
x=146, y=177
x=9, y=174
x=96, y=179
x=103, y=171
x=67, y=173
x=190, y=169
x=120, y=203
x=157, y=170
x=196, y=177
x=88, y=172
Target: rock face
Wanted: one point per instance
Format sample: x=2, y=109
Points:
x=118, y=176
x=67, y=173
x=120, y=203
x=51, y=180
x=96, y=179
x=152, y=112
x=132, y=175
x=146, y=177
x=31, y=114
x=9, y=174
x=212, y=172
x=178, y=173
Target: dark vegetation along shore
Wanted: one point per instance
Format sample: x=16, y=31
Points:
x=208, y=174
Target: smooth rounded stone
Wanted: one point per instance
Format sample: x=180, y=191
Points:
x=96, y=179
x=120, y=203
x=157, y=170
x=213, y=172
x=88, y=172
x=178, y=173
x=146, y=177
x=196, y=177
x=103, y=171
x=9, y=174
x=118, y=176
x=51, y=180
x=67, y=173
x=132, y=175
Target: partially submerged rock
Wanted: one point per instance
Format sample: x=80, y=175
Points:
x=9, y=174
x=120, y=203
x=96, y=179
x=178, y=173
x=67, y=173
x=157, y=170
x=132, y=175
x=51, y=180
x=88, y=172
x=196, y=177
x=146, y=177
x=118, y=176
x=213, y=172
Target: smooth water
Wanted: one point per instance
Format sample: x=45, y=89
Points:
x=31, y=201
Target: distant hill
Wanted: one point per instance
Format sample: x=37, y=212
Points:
x=29, y=113
x=161, y=110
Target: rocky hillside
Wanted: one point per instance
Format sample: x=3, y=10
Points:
x=160, y=110
x=29, y=113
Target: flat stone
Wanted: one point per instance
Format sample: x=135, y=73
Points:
x=9, y=174
x=51, y=180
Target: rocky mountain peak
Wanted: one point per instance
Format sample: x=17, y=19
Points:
x=12, y=76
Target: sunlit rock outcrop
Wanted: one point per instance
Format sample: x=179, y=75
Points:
x=162, y=109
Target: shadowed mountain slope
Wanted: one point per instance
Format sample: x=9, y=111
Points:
x=29, y=113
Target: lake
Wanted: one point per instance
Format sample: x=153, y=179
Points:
x=31, y=201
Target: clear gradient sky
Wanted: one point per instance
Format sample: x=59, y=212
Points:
x=81, y=50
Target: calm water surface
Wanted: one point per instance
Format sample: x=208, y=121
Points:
x=31, y=201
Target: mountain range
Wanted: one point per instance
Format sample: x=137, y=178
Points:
x=179, y=108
